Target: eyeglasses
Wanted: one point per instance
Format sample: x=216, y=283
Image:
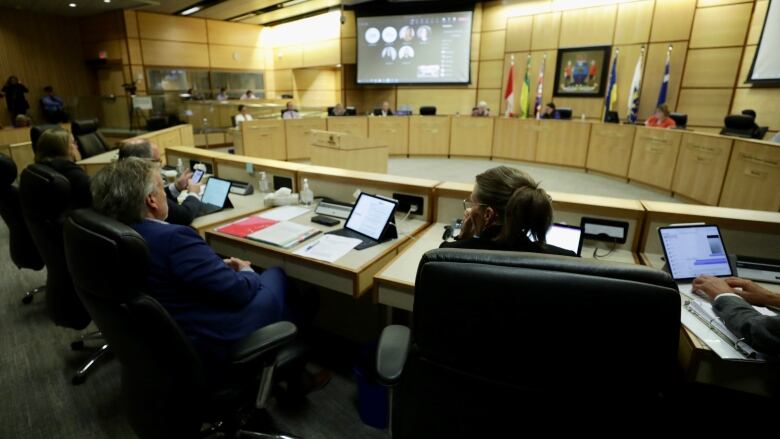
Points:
x=468, y=204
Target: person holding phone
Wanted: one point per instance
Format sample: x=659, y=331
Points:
x=190, y=208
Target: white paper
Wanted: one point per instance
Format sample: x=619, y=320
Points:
x=329, y=248
x=284, y=213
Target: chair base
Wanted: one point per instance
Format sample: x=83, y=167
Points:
x=28, y=296
x=81, y=375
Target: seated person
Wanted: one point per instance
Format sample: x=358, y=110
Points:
x=248, y=95
x=505, y=207
x=734, y=306
x=384, y=110
x=481, y=110
x=291, y=112
x=660, y=119
x=222, y=95
x=339, y=110
x=215, y=301
x=242, y=115
x=53, y=106
x=190, y=208
x=550, y=112
x=57, y=149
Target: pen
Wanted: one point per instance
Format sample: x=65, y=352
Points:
x=311, y=246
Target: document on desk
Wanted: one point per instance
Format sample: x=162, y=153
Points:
x=329, y=248
x=284, y=234
x=284, y=213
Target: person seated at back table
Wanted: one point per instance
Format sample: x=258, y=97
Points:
x=505, y=207
x=550, y=112
x=57, y=149
x=384, y=110
x=660, y=119
x=191, y=207
x=53, y=106
x=291, y=112
x=481, y=110
x=339, y=110
x=242, y=115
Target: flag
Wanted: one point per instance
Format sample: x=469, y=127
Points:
x=665, y=82
x=509, y=95
x=636, y=86
x=611, y=99
x=539, y=89
x=525, y=90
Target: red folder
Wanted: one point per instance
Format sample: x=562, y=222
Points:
x=247, y=226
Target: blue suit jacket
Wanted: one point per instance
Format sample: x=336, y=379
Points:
x=213, y=304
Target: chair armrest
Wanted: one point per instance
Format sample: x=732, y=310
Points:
x=262, y=341
x=391, y=353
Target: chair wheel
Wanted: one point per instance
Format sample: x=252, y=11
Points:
x=27, y=299
x=78, y=379
x=77, y=345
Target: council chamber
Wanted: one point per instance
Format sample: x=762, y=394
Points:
x=388, y=218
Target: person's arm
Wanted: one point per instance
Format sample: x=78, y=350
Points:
x=761, y=332
x=182, y=214
x=195, y=265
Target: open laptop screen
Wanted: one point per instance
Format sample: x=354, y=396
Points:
x=564, y=236
x=694, y=250
x=370, y=215
x=216, y=192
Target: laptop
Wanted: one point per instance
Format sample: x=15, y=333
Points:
x=368, y=220
x=693, y=250
x=563, y=236
x=215, y=196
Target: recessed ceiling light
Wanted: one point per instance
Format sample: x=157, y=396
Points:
x=191, y=10
x=106, y=1
x=72, y=5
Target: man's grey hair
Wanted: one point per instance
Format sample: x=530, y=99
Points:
x=119, y=190
x=140, y=148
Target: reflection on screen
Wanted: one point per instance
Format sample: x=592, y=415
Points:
x=370, y=215
x=567, y=238
x=216, y=192
x=422, y=48
x=693, y=251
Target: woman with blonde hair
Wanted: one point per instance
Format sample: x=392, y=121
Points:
x=56, y=148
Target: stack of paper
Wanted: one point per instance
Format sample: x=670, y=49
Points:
x=284, y=213
x=329, y=248
x=284, y=234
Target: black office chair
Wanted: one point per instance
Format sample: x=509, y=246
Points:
x=89, y=139
x=45, y=197
x=612, y=117
x=739, y=125
x=36, y=131
x=350, y=111
x=163, y=382
x=502, y=339
x=24, y=254
x=428, y=111
x=680, y=120
x=564, y=113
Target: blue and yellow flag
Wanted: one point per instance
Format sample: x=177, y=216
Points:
x=611, y=99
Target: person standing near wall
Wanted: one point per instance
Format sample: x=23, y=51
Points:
x=14, y=96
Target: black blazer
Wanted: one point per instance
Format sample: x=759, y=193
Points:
x=761, y=332
x=486, y=242
x=80, y=195
x=184, y=213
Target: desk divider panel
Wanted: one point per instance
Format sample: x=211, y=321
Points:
x=753, y=176
x=563, y=142
x=609, y=151
x=701, y=167
x=429, y=135
x=515, y=139
x=654, y=156
x=390, y=131
x=264, y=138
x=355, y=125
x=471, y=136
x=299, y=136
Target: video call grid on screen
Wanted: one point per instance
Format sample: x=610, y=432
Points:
x=414, y=49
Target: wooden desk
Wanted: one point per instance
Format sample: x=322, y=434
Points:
x=753, y=176
x=20, y=153
x=355, y=125
x=471, y=136
x=179, y=135
x=654, y=156
x=429, y=135
x=264, y=138
x=346, y=151
x=563, y=142
x=390, y=131
x=353, y=274
x=97, y=162
x=701, y=166
x=9, y=135
x=243, y=206
x=609, y=150
x=298, y=133
x=515, y=139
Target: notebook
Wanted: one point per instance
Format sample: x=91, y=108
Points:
x=284, y=234
x=247, y=226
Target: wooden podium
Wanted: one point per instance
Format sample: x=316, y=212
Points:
x=343, y=150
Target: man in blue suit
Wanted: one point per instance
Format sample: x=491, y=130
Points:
x=215, y=301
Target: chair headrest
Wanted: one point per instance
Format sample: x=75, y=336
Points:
x=44, y=192
x=739, y=122
x=565, y=112
x=680, y=119
x=428, y=111
x=107, y=259
x=8, y=171
x=81, y=127
x=37, y=130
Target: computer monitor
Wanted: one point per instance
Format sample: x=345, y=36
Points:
x=693, y=250
x=563, y=236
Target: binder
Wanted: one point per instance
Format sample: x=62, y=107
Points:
x=284, y=234
x=246, y=226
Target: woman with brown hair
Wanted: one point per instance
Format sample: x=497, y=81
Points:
x=57, y=149
x=660, y=119
x=504, y=209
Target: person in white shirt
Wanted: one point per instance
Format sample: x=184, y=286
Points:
x=384, y=111
x=242, y=115
x=291, y=112
x=222, y=96
x=248, y=95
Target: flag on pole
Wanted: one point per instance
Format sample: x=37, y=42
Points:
x=665, y=82
x=611, y=99
x=636, y=86
x=525, y=90
x=539, y=89
x=509, y=95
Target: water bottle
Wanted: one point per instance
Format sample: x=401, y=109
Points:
x=263, y=184
x=582, y=117
x=179, y=167
x=307, y=196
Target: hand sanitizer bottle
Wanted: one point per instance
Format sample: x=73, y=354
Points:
x=179, y=167
x=263, y=183
x=307, y=196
